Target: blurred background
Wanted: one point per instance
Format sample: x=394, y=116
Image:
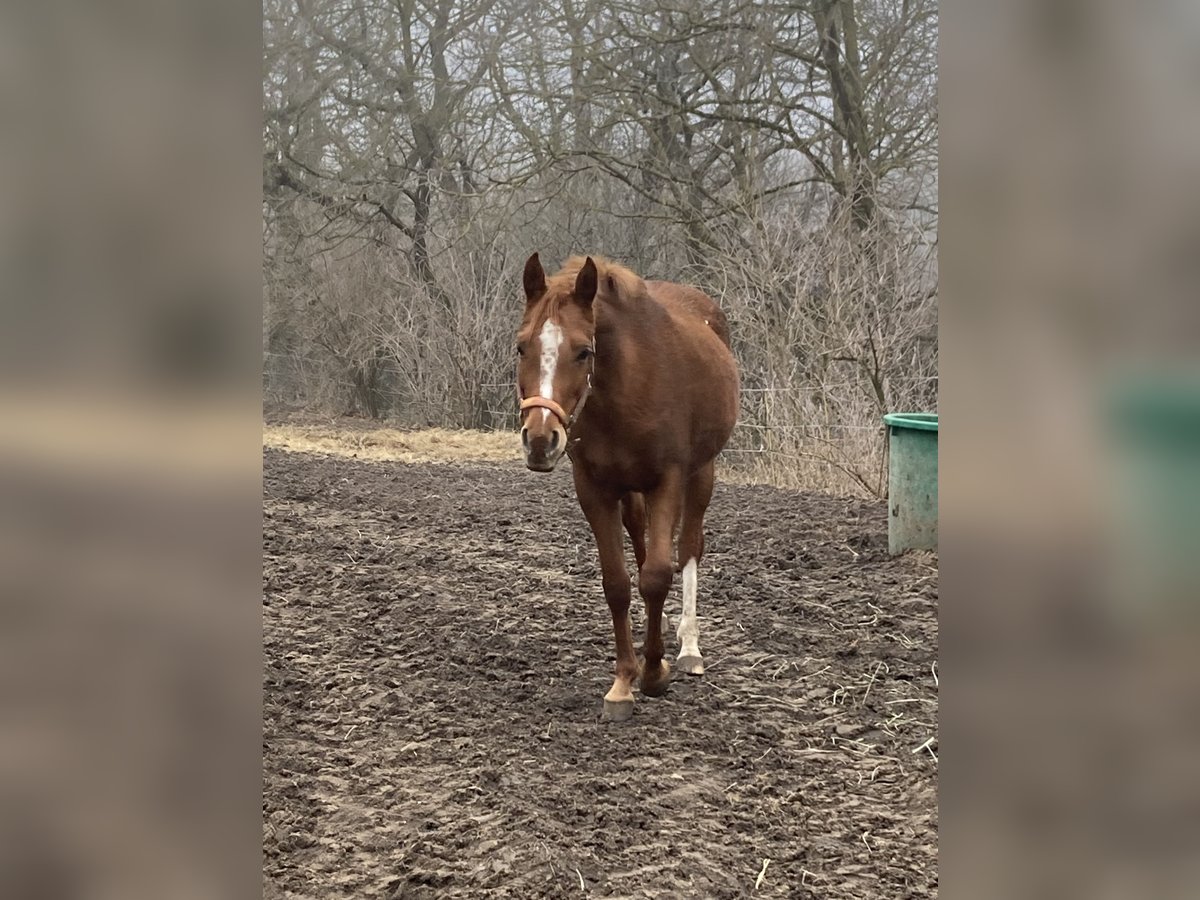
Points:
x=130, y=546
x=1070, y=467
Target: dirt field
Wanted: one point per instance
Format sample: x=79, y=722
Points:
x=437, y=646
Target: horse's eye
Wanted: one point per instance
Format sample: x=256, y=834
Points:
x=520, y=350
x=583, y=354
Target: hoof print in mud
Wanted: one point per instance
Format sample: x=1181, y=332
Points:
x=618, y=710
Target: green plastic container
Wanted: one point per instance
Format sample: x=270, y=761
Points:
x=912, y=481
x=1153, y=436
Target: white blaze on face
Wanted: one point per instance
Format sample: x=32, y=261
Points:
x=689, y=630
x=552, y=339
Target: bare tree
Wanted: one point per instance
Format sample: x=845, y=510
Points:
x=782, y=155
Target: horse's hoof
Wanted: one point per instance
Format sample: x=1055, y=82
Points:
x=618, y=710
x=690, y=665
x=655, y=684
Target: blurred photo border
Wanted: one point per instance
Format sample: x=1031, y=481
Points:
x=130, y=449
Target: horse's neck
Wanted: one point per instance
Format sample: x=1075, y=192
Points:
x=616, y=347
x=622, y=346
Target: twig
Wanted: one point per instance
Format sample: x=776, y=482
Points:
x=761, y=875
x=869, y=683
x=811, y=674
x=928, y=745
x=778, y=700
x=582, y=886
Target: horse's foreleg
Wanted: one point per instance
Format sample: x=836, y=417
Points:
x=664, y=505
x=602, y=511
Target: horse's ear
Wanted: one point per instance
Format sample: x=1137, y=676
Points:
x=535, y=277
x=585, y=283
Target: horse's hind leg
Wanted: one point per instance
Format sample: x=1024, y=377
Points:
x=691, y=549
x=633, y=514
x=663, y=506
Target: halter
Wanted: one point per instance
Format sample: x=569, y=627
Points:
x=547, y=403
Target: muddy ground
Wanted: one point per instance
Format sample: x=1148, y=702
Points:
x=437, y=646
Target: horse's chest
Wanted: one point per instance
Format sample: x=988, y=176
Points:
x=624, y=467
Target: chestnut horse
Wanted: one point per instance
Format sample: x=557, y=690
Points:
x=635, y=381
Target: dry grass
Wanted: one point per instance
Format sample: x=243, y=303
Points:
x=363, y=440
x=388, y=444
x=792, y=475
x=853, y=466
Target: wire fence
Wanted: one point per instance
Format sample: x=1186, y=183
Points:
x=831, y=426
x=295, y=388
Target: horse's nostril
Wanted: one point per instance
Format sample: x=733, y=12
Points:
x=553, y=440
x=525, y=437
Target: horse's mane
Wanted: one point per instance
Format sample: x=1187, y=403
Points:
x=615, y=283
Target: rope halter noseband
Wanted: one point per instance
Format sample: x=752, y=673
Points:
x=552, y=406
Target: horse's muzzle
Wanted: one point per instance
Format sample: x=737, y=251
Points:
x=543, y=449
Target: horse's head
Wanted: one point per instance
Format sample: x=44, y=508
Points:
x=555, y=349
